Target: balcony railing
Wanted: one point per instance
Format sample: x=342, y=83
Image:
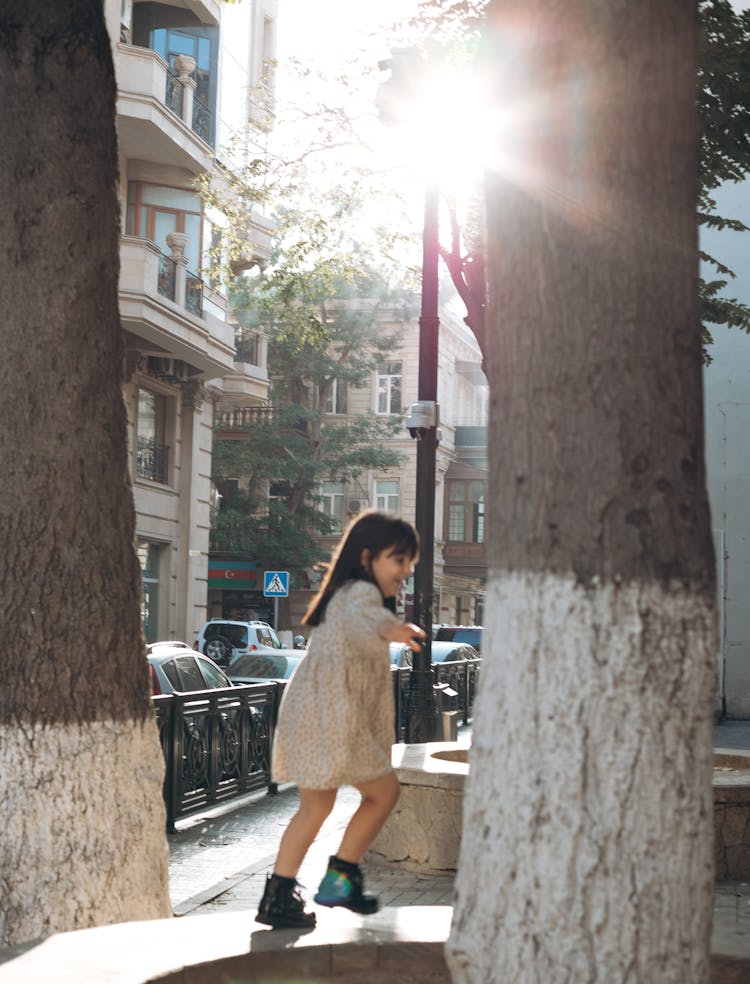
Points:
x=218, y=744
x=166, y=284
x=240, y=418
x=152, y=460
x=174, y=97
x=194, y=294
x=202, y=120
x=232, y=540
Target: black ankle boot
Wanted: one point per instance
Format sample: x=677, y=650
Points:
x=343, y=885
x=282, y=905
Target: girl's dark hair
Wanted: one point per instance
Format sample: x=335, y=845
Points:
x=371, y=531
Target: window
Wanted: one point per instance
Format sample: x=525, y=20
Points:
x=332, y=503
x=213, y=677
x=388, y=388
x=149, y=556
x=156, y=210
x=247, y=343
x=386, y=495
x=201, y=44
x=336, y=400
x=465, y=512
x=152, y=455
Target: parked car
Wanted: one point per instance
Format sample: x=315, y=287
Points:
x=447, y=652
x=176, y=668
x=223, y=640
x=256, y=667
x=442, y=652
x=402, y=655
x=169, y=643
x=471, y=634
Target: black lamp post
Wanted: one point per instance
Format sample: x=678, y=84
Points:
x=407, y=67
x=422, y=712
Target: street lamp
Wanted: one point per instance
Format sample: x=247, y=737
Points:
x=407, y=71
x=422, y=712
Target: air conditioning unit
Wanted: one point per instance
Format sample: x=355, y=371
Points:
x=174, y=370
x=354, y=506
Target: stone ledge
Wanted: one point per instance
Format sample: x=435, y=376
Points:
x=403, y=942
x=442, y=764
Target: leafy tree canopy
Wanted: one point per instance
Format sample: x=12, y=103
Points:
x=330, y=316
x=724, y=104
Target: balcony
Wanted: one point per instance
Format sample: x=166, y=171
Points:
x=465, y=559
x=161, y=304
x=256, y=235
x=158, y=118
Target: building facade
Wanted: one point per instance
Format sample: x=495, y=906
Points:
x=461, y=467
x=235, y=580
x=184, y=70
x=727, y=413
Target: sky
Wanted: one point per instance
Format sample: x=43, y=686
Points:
x=325, y=30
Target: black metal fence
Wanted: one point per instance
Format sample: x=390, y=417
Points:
x=217, y=743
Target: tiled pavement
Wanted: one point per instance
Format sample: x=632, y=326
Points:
x=220, y=863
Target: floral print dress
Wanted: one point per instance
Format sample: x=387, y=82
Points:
x=336, y=720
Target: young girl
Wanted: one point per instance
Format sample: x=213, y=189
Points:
x=336, y=718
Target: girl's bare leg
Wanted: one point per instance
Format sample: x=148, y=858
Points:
x=379, y=796
x=314, y=807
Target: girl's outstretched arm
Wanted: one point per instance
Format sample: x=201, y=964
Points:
x=405, y=632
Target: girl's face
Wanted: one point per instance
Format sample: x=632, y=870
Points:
x=389, y=569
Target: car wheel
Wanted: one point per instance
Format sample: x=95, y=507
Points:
x=219, y=650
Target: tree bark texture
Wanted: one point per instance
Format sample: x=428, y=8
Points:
x=588, y=838
x=83, y=822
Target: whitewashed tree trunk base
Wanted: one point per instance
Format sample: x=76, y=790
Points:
x=588, y=835
x=80, y=830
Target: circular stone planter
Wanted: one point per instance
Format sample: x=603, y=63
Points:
x=423, y=833
x=732, y=815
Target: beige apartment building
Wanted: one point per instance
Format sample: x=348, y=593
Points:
x=461, y=479
x=461, y=468
x=184, y=70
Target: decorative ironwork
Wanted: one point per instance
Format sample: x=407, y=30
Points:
x=174, y=94
x=194, y=294
x=230, y=744
x=167, y=276
x=195, y=760
x=152, y=460
x=401, y=678
x=217, y=744
x=201, y=120
x=259, y=746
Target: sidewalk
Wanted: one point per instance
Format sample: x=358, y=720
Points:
x=220, y=864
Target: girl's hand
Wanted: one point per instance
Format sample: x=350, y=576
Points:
x=407, y=632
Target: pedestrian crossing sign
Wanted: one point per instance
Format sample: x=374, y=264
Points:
x=276, y=584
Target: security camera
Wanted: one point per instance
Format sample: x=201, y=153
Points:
x=423, y=416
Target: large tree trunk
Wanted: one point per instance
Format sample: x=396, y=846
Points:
x=83, y=822
x=587, y=844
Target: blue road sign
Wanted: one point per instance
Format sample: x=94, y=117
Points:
x=276, y=584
